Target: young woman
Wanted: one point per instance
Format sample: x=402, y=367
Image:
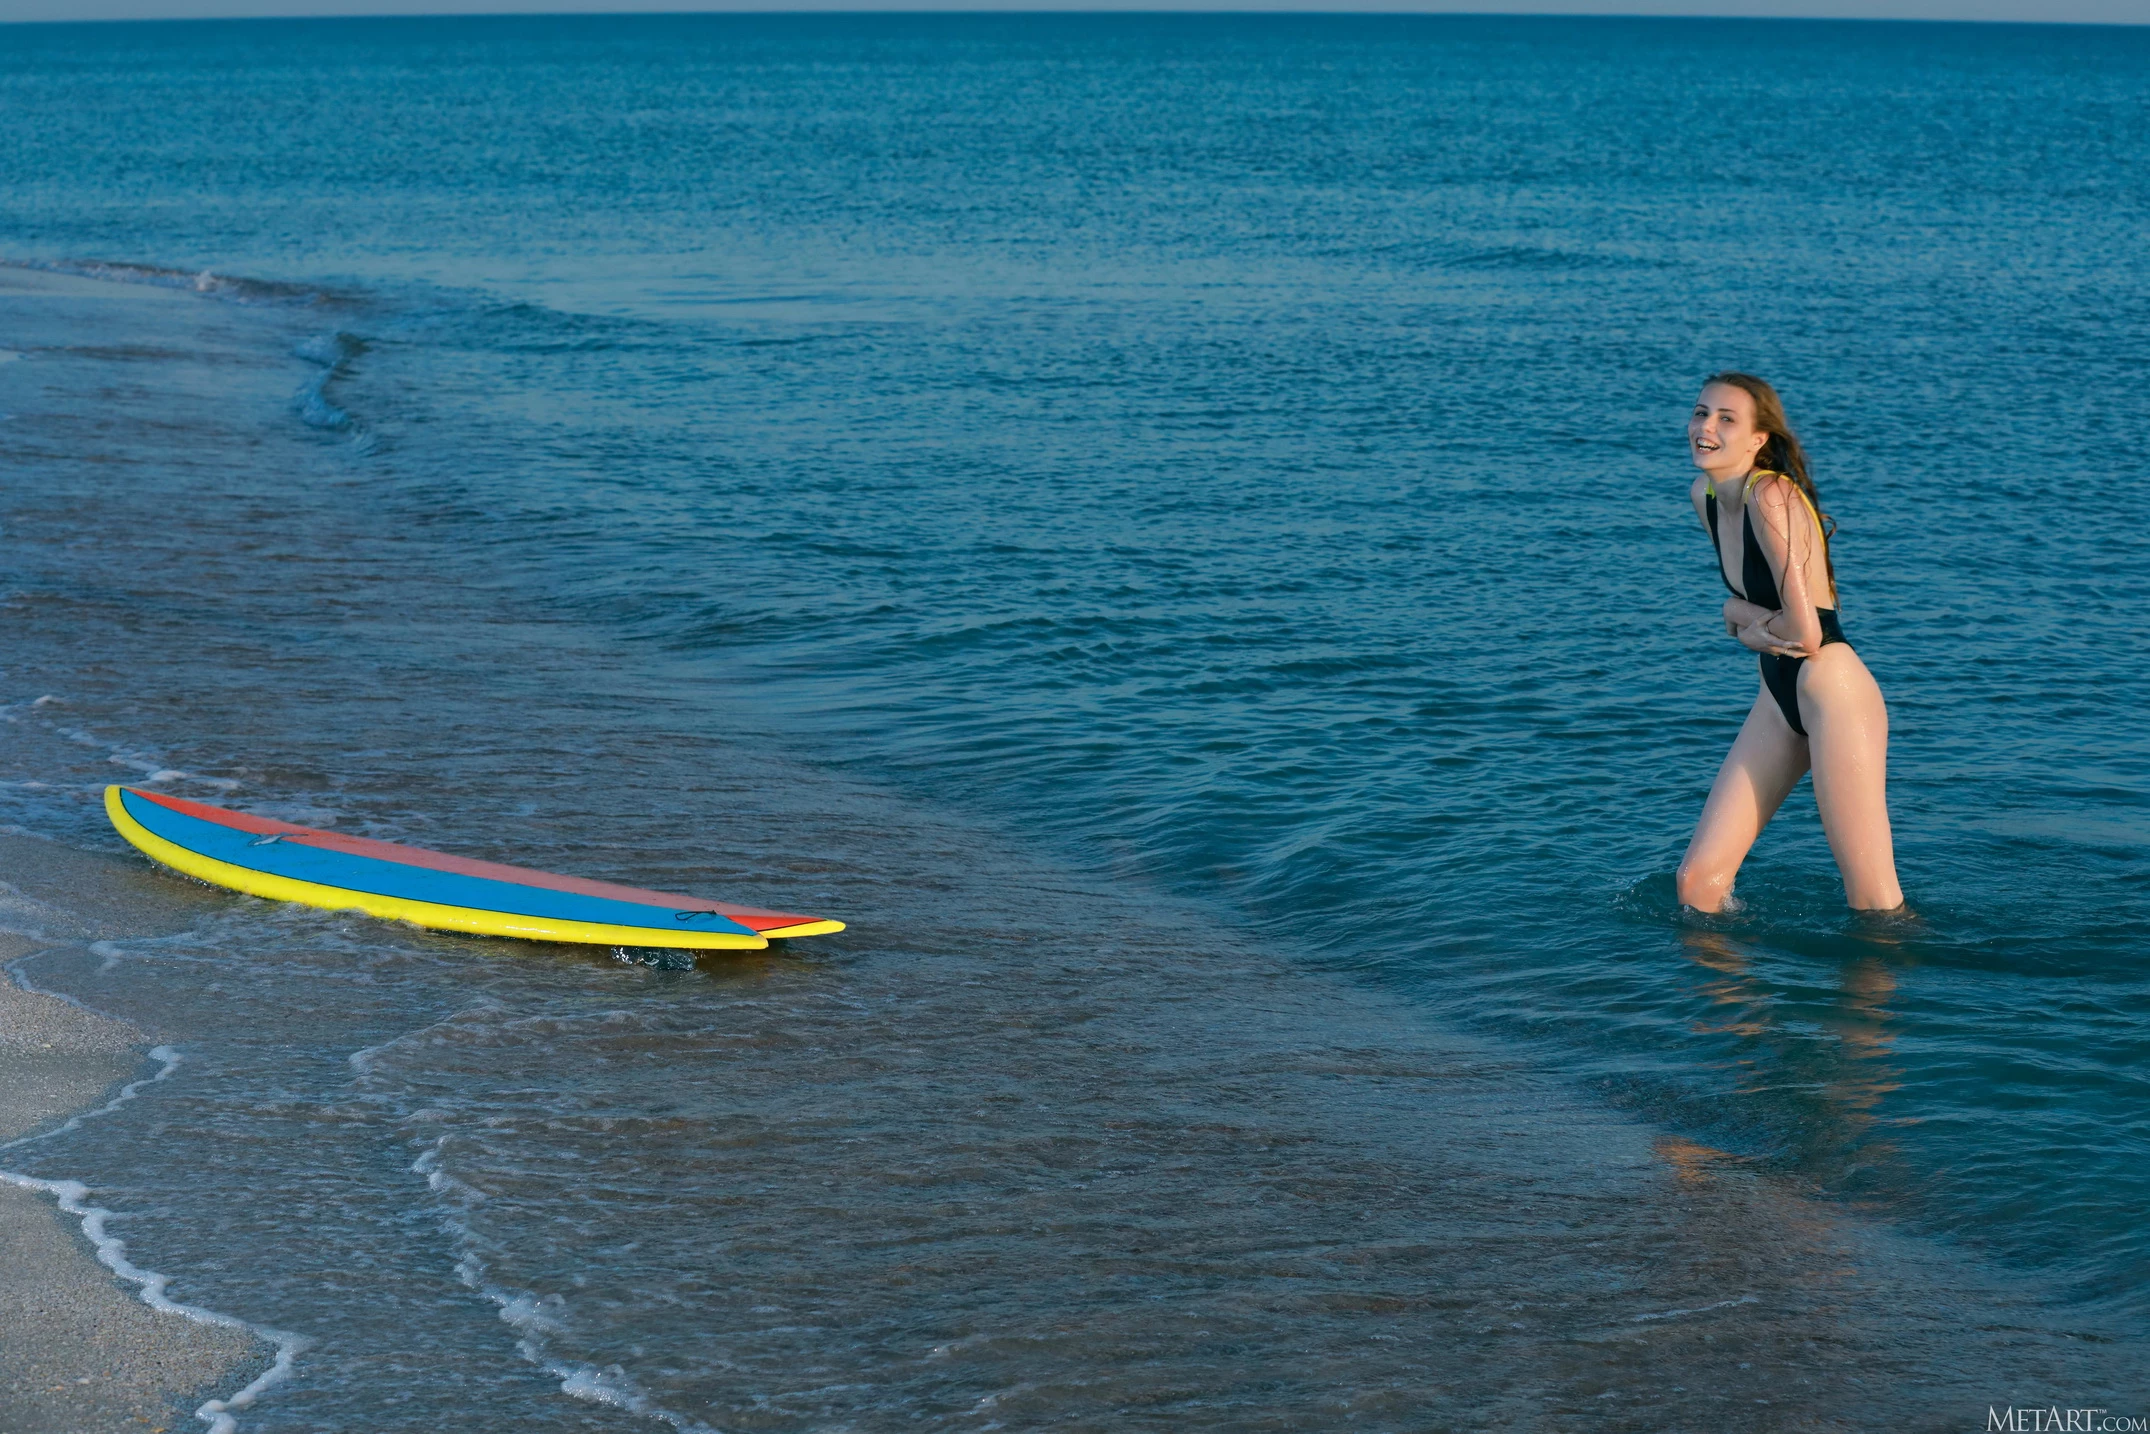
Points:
x=1819, y=709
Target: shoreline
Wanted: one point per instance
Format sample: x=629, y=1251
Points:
x=80, y=1349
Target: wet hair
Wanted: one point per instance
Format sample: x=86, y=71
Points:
x=1780, y=452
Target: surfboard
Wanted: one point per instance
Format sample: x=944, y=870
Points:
x=287, y=862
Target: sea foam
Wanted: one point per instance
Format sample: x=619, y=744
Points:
x=72, y=1196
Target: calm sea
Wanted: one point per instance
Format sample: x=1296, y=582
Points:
x=1175, y=528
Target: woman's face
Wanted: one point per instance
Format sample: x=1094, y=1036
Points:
x=1721, y=435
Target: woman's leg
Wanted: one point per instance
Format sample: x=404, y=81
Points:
x=1766, y=761
x=1848, y=734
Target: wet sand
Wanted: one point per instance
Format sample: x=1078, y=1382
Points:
x=78, y=1350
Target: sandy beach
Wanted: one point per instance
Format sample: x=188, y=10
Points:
x=78, y=1350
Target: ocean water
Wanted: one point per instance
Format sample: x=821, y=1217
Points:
x=1175, y=528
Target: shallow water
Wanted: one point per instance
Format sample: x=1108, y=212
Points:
x=1122, y=510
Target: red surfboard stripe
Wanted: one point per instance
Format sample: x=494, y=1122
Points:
x=749, y=916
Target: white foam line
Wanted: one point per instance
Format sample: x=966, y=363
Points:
x=170, y=1063
x=22, y=982
x=73, y=1196
x=147, y=763
x=1698, y=1309
x=364, y=1060
x=529, y=1315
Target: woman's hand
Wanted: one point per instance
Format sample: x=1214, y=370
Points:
x=1757, y=635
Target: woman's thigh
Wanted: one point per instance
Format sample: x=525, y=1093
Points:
x=1848, y=737
x=1766, y=761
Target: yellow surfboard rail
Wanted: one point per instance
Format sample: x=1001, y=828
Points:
x=426, y=913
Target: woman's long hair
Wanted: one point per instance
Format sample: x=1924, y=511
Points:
x=1781, y=453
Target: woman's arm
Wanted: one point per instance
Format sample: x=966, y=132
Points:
x=1739, y=615
x=1787, y=538
x=1749, y=622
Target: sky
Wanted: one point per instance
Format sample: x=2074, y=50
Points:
x=2126, y=12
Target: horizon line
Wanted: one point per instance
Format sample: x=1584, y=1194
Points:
x=1811, y=12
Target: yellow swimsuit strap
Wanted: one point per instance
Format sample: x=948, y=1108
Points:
x=1759, y=474
x=1709, y=490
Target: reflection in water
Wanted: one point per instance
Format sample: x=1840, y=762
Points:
x=1693, y=1165
x=1826, y=1051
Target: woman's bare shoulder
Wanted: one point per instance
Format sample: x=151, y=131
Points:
x=1774, y=494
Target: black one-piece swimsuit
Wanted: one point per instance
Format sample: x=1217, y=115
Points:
x=1779, y=674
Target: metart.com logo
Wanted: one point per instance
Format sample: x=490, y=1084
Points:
x=2055, y=1420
